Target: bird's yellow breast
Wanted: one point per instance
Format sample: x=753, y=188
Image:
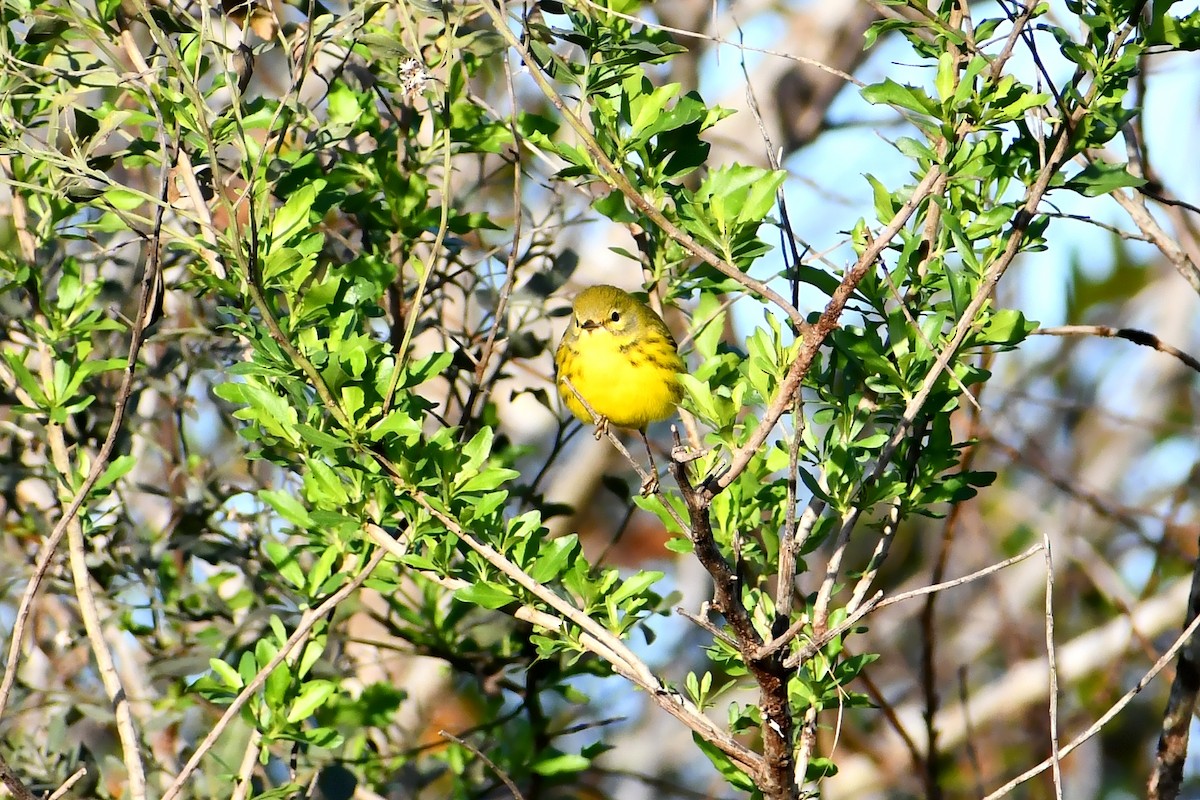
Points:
x=631, y=382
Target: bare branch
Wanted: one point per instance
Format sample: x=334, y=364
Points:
x=1129, y=334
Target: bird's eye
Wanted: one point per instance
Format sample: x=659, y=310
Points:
x=615, y=316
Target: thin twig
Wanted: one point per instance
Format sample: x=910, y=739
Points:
x=703, y=623
x=501, y=774
x=878, y=601
x=243, y=782
x=810, y=62
x=785, y=577
x=812, y=648
x=1135, y=205
x=616, y=176
x=974, y=576
x=833, y=568
x=1052, y=663
x=93, y=623
x=969, y=739
x=815, y=335
x=892, y=522
x=69, y=522
x=1134, y=335
x=510, y=268
x=1115, y=709
x=969, y=316
x=100, y=461
x=61, y=791
x=594, y=636
x=307, y=620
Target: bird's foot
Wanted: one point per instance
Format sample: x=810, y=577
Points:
x=601, y=428
x=650, y=485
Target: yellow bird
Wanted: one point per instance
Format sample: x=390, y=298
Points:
x=622, y=360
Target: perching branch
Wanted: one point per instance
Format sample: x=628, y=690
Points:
x=1134, y=335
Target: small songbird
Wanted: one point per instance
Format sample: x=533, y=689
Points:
x=620, y=357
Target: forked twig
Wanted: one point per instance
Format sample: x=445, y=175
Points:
x=1115, y=709
x=501, y=774
x=307, y=620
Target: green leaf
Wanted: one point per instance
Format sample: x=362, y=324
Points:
x=120, y=466
x=1100, y=178
x=312, y=696
x=46, y=29
x=25, y=378
x=478, y=449
x=287, y=506
x=555, y=556
x=284, y=559
x=1181, y=33
x=420, y=371
x=319, y=439
x=326, y=738
x=635, y=585
x=227, y=673
x=124, y=199
x=398, y=422
x=313, y=650
x=947, y=73
x=701, y=397
x=292, y=219
x=647, y=109
x=486, y=595
x=320, y=571
x=733, y=774
x=680, y=544
x=489, y=479
x=900, y=95
x=561, y=764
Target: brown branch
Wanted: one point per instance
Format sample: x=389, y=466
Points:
x=307, y=620
x=1166, y=658
x=768, y=672
x=1167, y=778
x=501, y=774
x=75, y=778
x=1134, y=335
x=1019, y=22
x=594, y=637
x=815, y=335
x=1135, y=205
x=151, y=287
x=705, y=624
x=616, y=177
x=13, y=782
x=1052, y=664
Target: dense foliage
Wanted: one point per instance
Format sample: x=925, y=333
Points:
x=281, y=289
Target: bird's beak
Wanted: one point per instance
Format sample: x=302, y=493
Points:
x=589, y=324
